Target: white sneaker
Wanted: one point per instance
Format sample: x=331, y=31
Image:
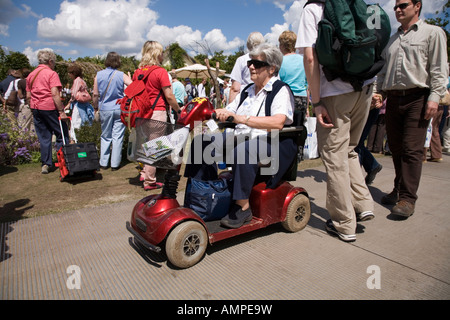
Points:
x=344, y=237
x=365, y=216
x=44, y=169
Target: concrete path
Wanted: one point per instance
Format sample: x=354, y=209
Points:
x=86, y=254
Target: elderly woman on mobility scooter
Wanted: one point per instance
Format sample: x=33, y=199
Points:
x=266, y=105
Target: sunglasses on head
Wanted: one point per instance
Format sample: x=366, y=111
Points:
x=402, y=6
x=257, y=63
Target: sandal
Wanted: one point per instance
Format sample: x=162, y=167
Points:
x=156, y=185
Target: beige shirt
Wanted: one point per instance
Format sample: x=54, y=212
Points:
x=416, y=59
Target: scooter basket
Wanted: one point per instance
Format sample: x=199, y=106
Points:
x=160, y=144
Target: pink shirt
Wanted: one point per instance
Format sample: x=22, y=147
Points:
x=41, y=92
x=78, y=83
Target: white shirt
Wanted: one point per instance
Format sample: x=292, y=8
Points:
x=14, y=86
x=307, y=37
x=240, y=72
x=255, y=105
x=201, y=90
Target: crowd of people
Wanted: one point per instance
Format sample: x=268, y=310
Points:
x=268, y=85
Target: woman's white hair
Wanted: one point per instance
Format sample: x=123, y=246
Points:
x=45, y=56
x=272, y=55
x=254, y=40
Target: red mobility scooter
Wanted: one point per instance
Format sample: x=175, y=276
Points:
x=160, y=222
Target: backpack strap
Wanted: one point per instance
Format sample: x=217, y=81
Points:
x=314, y=1
x=107, y=87
x=32, y=82
x=144, y=76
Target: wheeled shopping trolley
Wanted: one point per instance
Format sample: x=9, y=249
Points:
x=75, y=160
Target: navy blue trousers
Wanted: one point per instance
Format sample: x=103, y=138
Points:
x=244, y=164
x=366, y=158
x=46, y=124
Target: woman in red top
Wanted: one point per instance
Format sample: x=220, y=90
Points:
x=158, y=81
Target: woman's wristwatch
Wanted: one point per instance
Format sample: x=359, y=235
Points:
x=320, y=103
x=246, y=119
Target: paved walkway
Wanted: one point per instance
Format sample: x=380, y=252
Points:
x=86, y=254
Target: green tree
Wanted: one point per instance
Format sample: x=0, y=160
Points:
x=220, y=58
x=200, y=58
x=14, y=60
x=176, y=55
x=231, y=60
x=442, y=20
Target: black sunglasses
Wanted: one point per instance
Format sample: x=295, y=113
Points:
x=257, y=63
x=402, y=6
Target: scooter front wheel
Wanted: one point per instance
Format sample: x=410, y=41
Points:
x=186, y=244
x=298, y=213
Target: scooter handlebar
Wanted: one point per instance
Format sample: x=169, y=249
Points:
x=229, y=119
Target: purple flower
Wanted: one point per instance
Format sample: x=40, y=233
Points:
x=22, y=152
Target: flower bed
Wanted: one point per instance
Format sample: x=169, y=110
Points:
x=17, y=146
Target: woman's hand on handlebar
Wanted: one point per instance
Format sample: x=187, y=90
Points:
x=223, y=115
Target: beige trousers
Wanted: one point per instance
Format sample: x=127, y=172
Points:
x=25, y=117
x=347, y=192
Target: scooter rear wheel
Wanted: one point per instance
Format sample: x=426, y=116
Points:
x=186, y=244
x=298, y=213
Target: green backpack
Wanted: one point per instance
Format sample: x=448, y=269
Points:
x=350, y=40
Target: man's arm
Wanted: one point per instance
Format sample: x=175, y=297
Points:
x=438, y=71
x=170, y=98
x=234, y=90
x=312, y=70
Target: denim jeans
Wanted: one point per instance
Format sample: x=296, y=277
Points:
x=86, y=112
x=366, y=158
x=113, y=131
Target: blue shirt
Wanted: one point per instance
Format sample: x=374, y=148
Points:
x=293, y=73
x=178, y=91
x=107, y=98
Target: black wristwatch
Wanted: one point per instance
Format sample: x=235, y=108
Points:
x=320, y=103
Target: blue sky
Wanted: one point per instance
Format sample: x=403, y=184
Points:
x=79, y=28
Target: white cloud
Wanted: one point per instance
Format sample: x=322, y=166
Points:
x=184, y=35
x=218, y=42
x=276, y=30
x=123, y=26
x=291, y=19
x=106, y=25
x=32, y=55
x=4, y=30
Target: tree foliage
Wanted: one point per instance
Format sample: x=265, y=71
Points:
x=176, y=55
x=13, y=60
x=442, y=20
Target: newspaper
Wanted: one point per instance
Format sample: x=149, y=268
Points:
x=162, y=147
